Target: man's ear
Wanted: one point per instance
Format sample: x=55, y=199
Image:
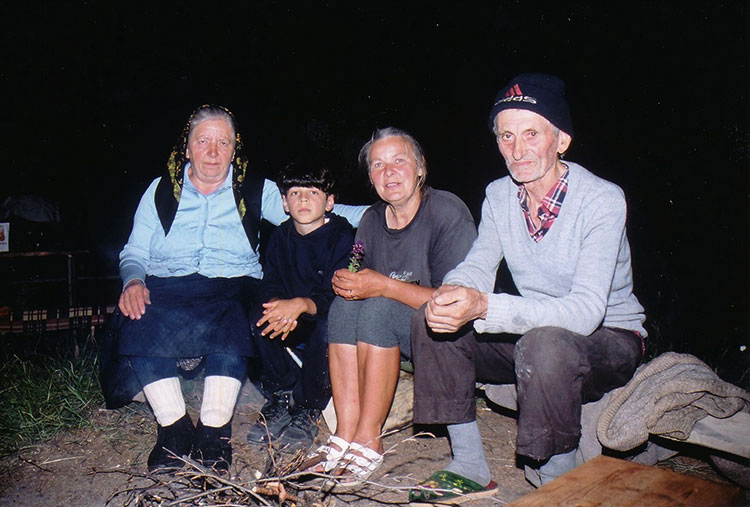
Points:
x=329, y=202
x=285, y=204
x=563, y=142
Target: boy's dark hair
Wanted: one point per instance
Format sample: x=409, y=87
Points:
x=297, y=174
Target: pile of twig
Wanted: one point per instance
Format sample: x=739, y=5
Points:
x=278, y=484
x=198, y=485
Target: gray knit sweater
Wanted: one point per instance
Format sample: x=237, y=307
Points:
x=577, y=277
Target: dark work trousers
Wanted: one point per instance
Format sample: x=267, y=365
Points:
x=555, y=372
x=311, y=384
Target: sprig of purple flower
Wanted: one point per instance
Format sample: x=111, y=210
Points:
x=358, y=252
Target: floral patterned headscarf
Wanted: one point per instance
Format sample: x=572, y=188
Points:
x=169, y=189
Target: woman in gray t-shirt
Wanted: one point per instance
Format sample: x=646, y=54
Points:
x=411, y=239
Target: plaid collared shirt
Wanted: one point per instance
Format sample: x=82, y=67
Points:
x=548, y=211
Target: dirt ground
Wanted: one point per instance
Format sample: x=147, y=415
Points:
x=106, y=464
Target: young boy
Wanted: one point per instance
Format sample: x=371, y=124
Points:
x=301, y=257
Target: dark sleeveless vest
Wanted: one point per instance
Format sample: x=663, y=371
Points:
x=250, y=191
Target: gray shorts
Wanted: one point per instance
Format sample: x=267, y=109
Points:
x=378, y=321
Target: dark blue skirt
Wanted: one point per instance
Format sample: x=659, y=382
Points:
x=191, y=316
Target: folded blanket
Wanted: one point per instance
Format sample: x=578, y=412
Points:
x=666, y=397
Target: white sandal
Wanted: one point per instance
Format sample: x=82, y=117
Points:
x=357, y=465
x=326, y=457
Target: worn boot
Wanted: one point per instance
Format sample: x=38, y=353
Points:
x=212, y=447
x=302, y=430
x=274, y=417
x=177, y=438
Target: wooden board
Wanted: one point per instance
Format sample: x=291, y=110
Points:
x=614, y=482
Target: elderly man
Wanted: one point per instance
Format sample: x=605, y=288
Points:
x=576, y=329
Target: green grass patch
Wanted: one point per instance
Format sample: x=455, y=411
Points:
x=42, y=395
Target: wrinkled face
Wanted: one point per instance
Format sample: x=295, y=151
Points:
x=210, y=151
x=393, y=171
x=529, y=143
x=307, y=206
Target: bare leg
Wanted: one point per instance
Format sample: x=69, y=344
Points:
x=378, y=376
x=342, y=361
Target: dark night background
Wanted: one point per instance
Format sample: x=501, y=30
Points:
x=95, y=95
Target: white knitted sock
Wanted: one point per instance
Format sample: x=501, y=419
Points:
x=165, y=398
x=219, y=397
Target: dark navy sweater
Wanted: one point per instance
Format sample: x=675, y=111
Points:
x=303, y=266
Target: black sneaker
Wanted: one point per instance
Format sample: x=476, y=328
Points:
x=302, y=430
x=177, y=438
x=212, y=447
x=273, y=418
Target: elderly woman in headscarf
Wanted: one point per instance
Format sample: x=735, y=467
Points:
x=411, y=239
x=189, y=270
